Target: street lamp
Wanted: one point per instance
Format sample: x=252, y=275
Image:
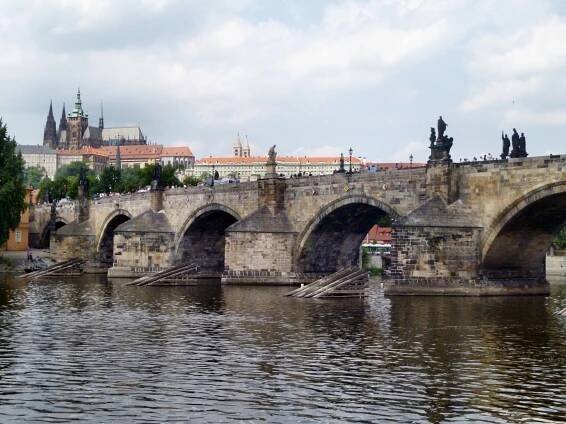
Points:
x=411, y=161
x=350, y=151
x=212, y=180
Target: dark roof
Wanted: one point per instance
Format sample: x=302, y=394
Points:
x=34, y=149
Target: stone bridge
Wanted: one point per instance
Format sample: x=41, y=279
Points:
x=469, y=228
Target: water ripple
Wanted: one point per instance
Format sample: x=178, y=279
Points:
x=93, y=351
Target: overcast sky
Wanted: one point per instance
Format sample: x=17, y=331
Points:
x=313, y=77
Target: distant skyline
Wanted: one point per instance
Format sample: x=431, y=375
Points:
x=314, y=78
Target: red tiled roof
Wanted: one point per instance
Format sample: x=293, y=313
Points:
x=86, y=150
x=135, y=151
x=181, y=151
x=379, y=234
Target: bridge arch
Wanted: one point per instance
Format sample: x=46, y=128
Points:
x=522, y=233
x=45, y=237
x=332, y=238
x=105, y=242
x=201, y=239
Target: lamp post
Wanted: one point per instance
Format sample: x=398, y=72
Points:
x=213, y=172
x=351, y=151
x=411, y=161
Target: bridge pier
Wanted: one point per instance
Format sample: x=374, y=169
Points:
x=259, y=247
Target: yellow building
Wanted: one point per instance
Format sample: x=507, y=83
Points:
x=18, y=238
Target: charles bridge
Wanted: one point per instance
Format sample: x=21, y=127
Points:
x=476, y=228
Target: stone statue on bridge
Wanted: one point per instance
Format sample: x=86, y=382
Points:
x=441, y=127
x=271, y=155
x=440, y=148
x=271, y=166
x=156, y=180
x=506, y=145
x=83, y=183
x=519, y=144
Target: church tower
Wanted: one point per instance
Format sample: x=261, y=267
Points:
x=77, y=123
x=238, y=147
x=246, y=151
x=50, y=130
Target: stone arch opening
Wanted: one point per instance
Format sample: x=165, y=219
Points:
x=45, y=239
x=202, y=240
x=333, y=239
x=524, y=232
x=105, y=246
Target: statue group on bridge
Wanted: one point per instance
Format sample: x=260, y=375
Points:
x=518, y=144
x=440, y=144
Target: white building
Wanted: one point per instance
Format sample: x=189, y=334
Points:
x=252, y=168
x=40, y=156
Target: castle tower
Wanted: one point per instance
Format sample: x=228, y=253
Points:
x=77, y=123
x=62, y=132
x=238, y=147
x=50, y=130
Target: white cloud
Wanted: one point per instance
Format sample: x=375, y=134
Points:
x=190, y=70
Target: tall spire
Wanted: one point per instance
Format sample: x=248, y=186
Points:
x=50, y=130
x=101, y=119
x=78, y=110
x=63, y=120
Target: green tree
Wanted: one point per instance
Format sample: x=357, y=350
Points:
x=109, y=180
x=34, y=175
x=131, y=180
x=12, y=186
x=560, y=240
x=73, y=169
x=191, y=180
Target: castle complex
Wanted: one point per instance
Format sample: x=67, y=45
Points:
x=75, y=132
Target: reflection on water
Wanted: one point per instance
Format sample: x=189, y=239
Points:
x=96, y=351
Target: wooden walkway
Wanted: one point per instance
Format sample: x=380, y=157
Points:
x=349, y=282
x=70, y=268
x=181, y=275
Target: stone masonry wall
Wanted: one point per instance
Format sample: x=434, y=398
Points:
x=425, y=253
x=259, y=251
x=145, y=252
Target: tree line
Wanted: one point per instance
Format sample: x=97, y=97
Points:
x=110, y=180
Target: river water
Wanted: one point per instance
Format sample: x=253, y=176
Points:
x=95, y=351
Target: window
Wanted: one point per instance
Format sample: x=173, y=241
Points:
x=18, y=236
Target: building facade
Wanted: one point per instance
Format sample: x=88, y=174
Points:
x=41, y=156
x=254, y=167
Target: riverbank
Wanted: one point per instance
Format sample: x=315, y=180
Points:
x=17, y=261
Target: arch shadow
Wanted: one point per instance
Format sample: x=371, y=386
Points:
x=45, y=237
x=332, y=238
x=105, y=242
x=201, y=239
x=522, y=233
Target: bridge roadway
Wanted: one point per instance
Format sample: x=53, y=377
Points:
x=469, y=228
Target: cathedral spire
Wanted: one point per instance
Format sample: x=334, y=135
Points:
x=50, y=130
x=101, y=119
x=63, y=120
